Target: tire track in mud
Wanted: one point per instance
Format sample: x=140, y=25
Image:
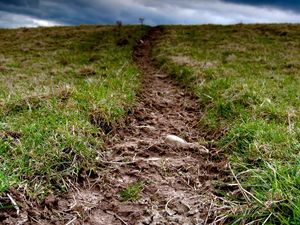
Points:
x=177, y=181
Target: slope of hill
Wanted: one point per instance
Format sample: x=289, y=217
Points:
x=247, y=80
x=65, y=91
x=57, y=87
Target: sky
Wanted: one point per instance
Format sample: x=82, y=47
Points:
x=32, y=13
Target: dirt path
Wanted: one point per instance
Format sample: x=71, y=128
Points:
x=176, y=180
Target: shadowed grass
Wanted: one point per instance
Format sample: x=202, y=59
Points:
x=247, y=80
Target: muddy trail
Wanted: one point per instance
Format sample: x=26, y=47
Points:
x=174, y=180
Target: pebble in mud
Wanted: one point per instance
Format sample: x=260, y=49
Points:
x=176, y=141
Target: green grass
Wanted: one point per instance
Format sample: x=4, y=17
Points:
x=247, y=80
x=132, y=192
x=61, y=90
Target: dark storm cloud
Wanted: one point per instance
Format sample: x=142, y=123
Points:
x=82, y=11
x=33, y=3
x=155, y=11
x=293, y=5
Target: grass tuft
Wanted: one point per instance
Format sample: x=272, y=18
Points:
x=132, y=192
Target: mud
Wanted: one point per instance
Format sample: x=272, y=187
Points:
x=177, y=182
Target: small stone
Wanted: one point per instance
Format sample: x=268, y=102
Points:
x=179, y=142
x=175, y=140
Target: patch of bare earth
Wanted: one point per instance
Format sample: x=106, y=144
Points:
x=177, y=180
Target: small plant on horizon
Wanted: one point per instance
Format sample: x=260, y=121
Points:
x=119, y=26
x=142, y=19
x=132, y=192
x=119, y=23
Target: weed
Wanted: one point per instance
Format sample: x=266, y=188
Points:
x=132, y=192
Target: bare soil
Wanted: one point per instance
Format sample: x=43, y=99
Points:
x=177, y=181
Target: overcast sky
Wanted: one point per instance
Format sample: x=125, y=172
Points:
x=21, y=13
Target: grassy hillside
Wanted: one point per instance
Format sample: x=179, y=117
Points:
x=58, y=86
x=247, y=80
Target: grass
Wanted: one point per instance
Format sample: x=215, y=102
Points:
x=247, y=80
x=61, y=91
x=132, y=192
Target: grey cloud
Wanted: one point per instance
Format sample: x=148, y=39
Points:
x=29, y=3
x=11, y=20
x=155, y=11
x=293, y=5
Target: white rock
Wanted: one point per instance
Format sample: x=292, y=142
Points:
x=175, y=140
x=179, y=142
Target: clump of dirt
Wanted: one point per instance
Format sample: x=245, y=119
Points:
x=87, y=71
x=11, y=136
x=122, y=42
x=8, y=134
x=177, y=182
x=97, y=118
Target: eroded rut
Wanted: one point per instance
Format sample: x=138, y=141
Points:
x=176, y=180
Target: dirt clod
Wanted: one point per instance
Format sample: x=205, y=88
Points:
x=12, y=134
